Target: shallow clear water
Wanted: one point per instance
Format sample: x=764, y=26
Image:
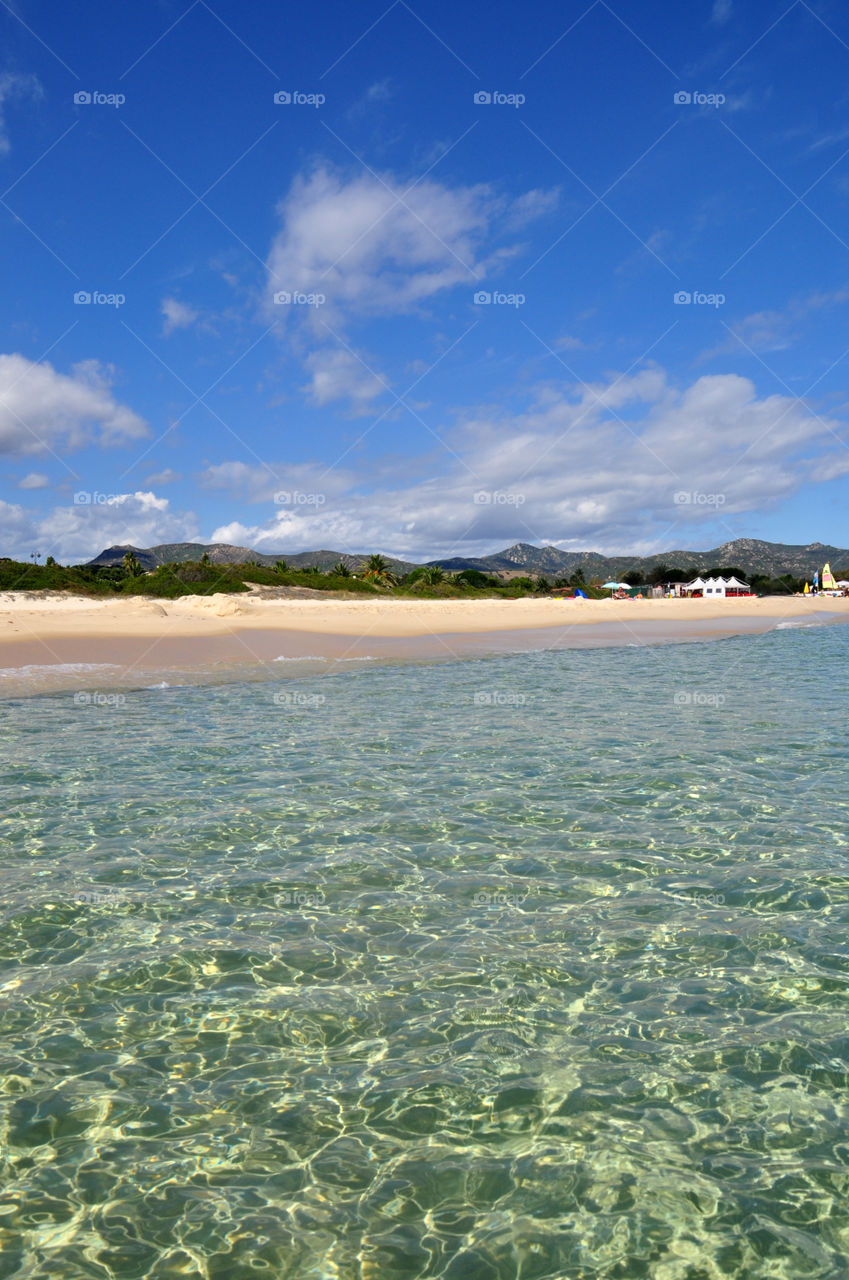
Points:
x=532, y=966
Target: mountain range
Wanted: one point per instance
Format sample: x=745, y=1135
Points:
x=747, y=554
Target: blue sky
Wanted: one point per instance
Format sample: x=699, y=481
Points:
x=423, y=279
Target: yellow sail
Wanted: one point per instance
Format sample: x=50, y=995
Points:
x=828, y=583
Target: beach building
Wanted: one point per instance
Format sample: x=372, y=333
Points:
x=716, y=588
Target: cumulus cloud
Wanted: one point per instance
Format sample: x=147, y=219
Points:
x=602, y=465
x=336, y=374
x=378, y=246
x=41, y=409
x=35, y=480
x=80, y=530
x=177, y=315
x=14, y=87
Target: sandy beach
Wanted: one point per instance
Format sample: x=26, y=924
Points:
x=140, y=634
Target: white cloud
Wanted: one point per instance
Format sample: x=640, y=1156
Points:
x=721, y=13
x=177, y=315
x=163, y=477
x=35, y=480
x=336, y=374
x=80, y=531
x=590, y=466
x=13, y=87
x=41, y=409
x=381, y=246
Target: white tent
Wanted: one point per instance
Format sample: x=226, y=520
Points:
x=717, y=587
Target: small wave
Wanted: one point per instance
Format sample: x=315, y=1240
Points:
x=55, y=668
x=797, y=626
x=316, y=657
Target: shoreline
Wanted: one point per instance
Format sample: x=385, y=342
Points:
x=49, y=643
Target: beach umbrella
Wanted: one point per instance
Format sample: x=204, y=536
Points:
x=614, y=586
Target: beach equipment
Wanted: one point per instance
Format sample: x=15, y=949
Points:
x=614, y=586
x=828, y=583
x=581, y=595
x=807, y=590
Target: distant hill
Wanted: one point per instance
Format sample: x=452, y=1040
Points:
x=748, y=554
x=224, y=553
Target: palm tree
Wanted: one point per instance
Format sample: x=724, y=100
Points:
x=432, y=575
x=341, y=570
x=377, y=570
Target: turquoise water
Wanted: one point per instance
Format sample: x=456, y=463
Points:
x=526, y=966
